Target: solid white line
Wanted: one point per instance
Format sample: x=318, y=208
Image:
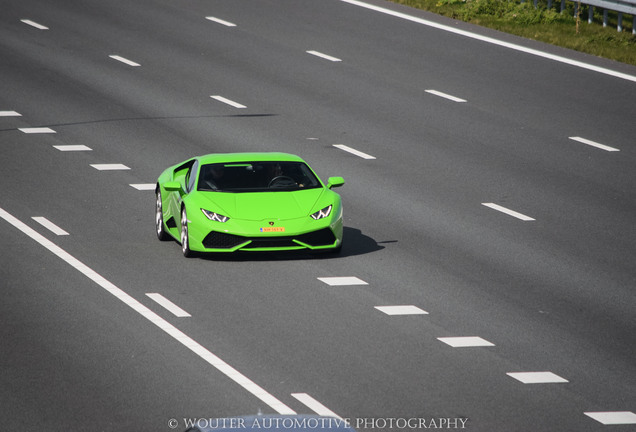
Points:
x=594, y=144
x=228, y=101
x=220, y=21
x=354, y=151
x=34, y=24
x=67, y=148
x=508, y=211
x=325, y=56
x=494, y=41
x=36, y=130
x=164, y=325
x=314, y=405
x=143, y=186
x=444, y=95
x=339, y=281
x=124, y=60
x=167, y=304
x=110, y=167
x=401, y=310
x=49, y=225
x=10, y=114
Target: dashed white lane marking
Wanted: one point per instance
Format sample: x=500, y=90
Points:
x=69, y=148
x=220, y=21
x=34, y=24
x=343, y=280
x=144, y=186
x=465, y=341
x=594, y=144
x=446, y=96
x=324, y=56
x=508, y=211
x=124, y=60
x=401, y=310
x=49, y=225
x=164, y=325
x=37, y=130
x=314, y=405
x=537, y=377
x=227, y=101
x=168, y=305
x=10, y=114
x=354, y=151
x=110, y=167
x=613, y=417
x=494, y=41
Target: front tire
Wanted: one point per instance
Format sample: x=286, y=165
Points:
x=185, y=239
x=160, y=228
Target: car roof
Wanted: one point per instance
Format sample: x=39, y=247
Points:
x=249, y=157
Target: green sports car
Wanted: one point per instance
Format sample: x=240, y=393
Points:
x=248, y=202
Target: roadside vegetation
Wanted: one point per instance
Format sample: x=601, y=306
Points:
x=543, y=24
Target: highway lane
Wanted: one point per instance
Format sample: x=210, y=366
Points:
x=546, y=292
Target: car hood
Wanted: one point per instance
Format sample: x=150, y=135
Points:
x=262, y=205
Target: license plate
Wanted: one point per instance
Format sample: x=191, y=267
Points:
x=273, y=229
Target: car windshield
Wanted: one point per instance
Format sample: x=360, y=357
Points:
x=256, y=177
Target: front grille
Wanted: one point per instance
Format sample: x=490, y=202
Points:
x=271, y=242
x=219, y=240
x=321, y=237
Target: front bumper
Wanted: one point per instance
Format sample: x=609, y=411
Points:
x=305, y=233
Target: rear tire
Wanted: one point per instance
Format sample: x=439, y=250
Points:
x=160, y=228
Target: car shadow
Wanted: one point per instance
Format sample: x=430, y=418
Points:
x=354, y=243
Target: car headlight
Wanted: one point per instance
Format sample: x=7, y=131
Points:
x=322, y=213
x=215, y=216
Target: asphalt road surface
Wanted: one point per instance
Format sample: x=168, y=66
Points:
x=487, y=280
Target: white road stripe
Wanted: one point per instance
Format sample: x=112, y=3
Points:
x=164, y=325
x=34, y=24
x=325, y=56
x=36, y=130
x=508, y=211
x=613, y=417
x=594, y=144
x=110, y=167
x=228, y=101
x=10, y=114
x=67, y=148
x=354, y=151
x=537, y=377
x=314, y=405
x=144, y=186
x=401, y=310
x=220, y=21
x=465, y=341
x=167, y=304
x=494, y=41
x=444, y=95
x=49, y=225
x=124, y=60
x=340, y=281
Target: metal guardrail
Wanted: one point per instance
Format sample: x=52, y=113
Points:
x=620, y=6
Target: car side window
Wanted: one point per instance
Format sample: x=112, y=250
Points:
x=191, y=176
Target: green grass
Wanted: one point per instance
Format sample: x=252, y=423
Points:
x=561, y=29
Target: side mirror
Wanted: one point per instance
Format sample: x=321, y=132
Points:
x=172, y=186
x=333, y=182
